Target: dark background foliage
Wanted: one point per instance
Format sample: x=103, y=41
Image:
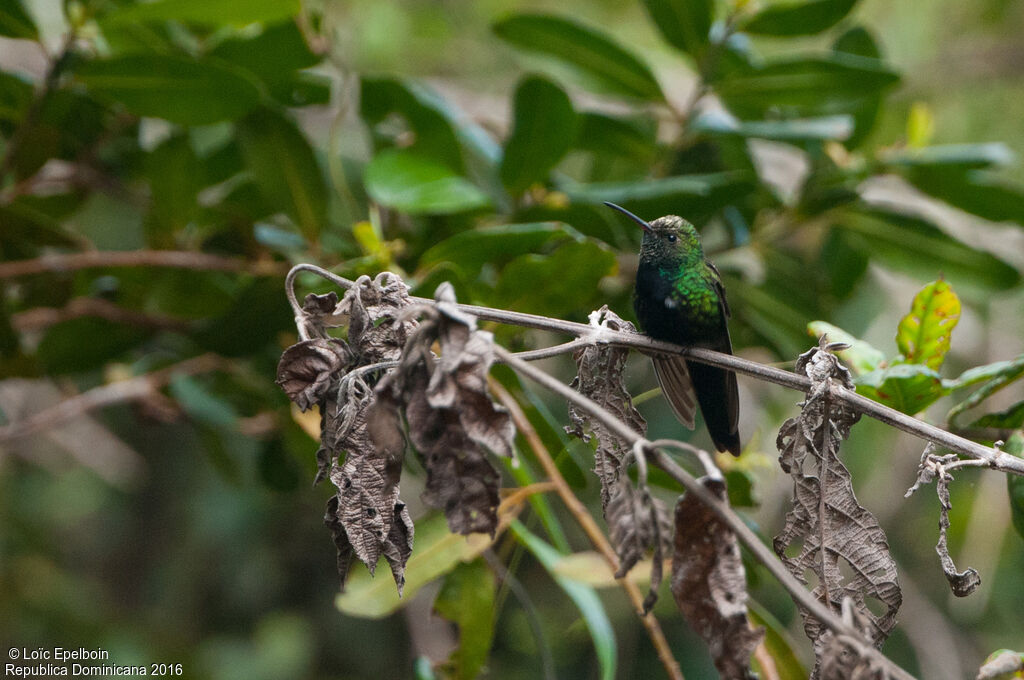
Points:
x=835, y=155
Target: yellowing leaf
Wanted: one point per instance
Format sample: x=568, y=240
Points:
x=923, y=335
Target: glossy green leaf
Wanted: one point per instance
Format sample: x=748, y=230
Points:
x=605, y=134
x=695, y=197
x=472, y=249
x=86, y=343
x=201, y=404
x=918, y=247
x=1015, y=483
x=177, y=89
x=413, y=184
x=992, y=377
x=273, y=56
x=25, y=224
x=212, y=12
x=685, y=24
x=544, y=126
x=909, y=388
x=467, y=599
x=1007, y=419
x=858, y=42
x=175, y=174
x=285, y=168
x=437, y=552
x=15, y=22
x=802, y=17
x=596, y=56
x=584, y=597
x=950, y=156
x=975, y=191
x=861, y=357
x=793, y=130
x=810, y=86
x=923, y=335
x=564, y=282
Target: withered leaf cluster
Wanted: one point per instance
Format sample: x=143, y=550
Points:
x=709, y=583
x=452, y=420
x=637, y=522
x=826, y=523
x=365, y=516
x=599, y=375
x=386, y=369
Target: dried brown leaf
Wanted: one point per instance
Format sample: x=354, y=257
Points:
x=452, y=420
x=847, y=658
x=709, y=584
x=307, y=369
x=316, y=310
x=826, y=523
x=638, y=523
x=962, y=583
x=599, y=375
x=377, y=329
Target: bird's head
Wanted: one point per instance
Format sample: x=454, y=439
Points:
x=668, y=239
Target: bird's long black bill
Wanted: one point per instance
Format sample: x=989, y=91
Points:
x=643, y=224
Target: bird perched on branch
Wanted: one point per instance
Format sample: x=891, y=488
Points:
x=679, y=298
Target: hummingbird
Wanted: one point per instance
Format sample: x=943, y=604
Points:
x=679, y=298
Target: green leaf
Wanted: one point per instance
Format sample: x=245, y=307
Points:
x=808, y=86
x=284, y=167
x=15, y=22
x=15, y=97
x=416, y=185
x=858, y=42
x=543, y=131
x=175, y=174
x=861, y=357
x=274, y=56
x=804, y=17
x=177, y=89
x=564, y=282
x=975, y=191
x=210, y=12
x=1008, y=419
x=594, y=55
x=201, y=404
x=914, y=245
x=437, y=552
x=995, y=377
x=685, y=24
x=923, y=335
x=584, y=597
x=1015, y=483
x=950, y=156
x=435, y=136
x=86, y=343
x=909, y=388
x=793, y=130
x=467, y=599
x=470, y=250
x=696, y=197
x=604, y=134
x=778, y=643
x=253, y=320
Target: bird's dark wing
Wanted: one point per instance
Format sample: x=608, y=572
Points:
x=728, y=438
x=676, y=385
x=716, y=281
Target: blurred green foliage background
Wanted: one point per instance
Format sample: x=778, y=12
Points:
x=836, y=155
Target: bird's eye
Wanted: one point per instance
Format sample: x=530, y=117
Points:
x=671, y=238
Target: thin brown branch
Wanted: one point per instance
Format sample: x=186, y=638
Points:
x=132, y=389
x=760, y=551
x=589, y=525
x=994, y=458
x=68, y=262
x=41, y=318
